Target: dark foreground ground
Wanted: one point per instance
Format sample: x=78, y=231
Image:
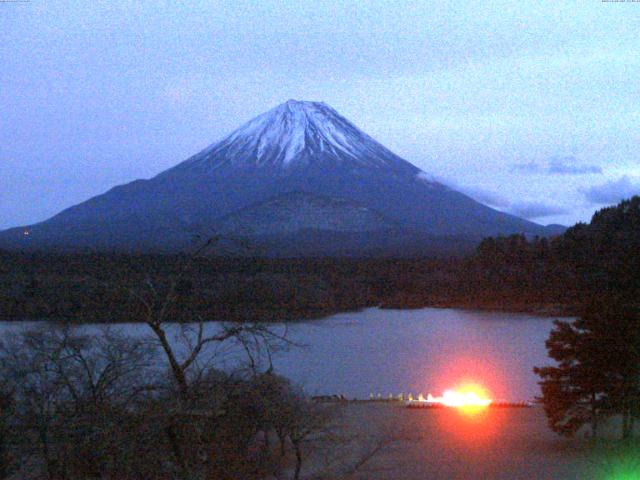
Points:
x=499, y=444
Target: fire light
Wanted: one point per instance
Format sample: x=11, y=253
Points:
x=468, y=398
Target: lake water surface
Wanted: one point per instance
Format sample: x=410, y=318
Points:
x=408, y=351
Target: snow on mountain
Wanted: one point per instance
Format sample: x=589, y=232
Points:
x=346, y=182
x=294, y=133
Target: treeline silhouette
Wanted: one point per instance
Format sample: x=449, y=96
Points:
x=96, y=287
x=552, y=276
x=599, y=259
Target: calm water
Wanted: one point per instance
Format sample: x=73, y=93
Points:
x=394, y=351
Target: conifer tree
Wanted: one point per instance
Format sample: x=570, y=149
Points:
x=598, y=369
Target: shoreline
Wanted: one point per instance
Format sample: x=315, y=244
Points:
x=546, y=311
x=542, y=310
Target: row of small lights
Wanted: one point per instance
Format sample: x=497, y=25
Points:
x=400, y=397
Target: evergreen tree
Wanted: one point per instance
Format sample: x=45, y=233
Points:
x=598, y=369
x=571, y=391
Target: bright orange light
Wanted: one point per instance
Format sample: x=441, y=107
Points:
x=469, y=398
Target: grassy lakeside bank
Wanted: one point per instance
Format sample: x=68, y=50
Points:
x=501, y=444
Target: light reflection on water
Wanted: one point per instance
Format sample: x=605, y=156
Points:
x=417, y=351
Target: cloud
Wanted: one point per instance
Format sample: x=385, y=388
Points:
x=531, y=210
x=479, y=194
x=613, y=191
x=570, y=166
x=486, y=196
x=558, y=166
x=529, y=167
x=524, y=209
x=426, y=177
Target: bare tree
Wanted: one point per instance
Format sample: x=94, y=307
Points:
x=189, y=348
x=105, y=405
x=158, y=304
x=71, y=394
x=97, y=406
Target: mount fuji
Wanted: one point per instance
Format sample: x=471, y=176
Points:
x=299, y=179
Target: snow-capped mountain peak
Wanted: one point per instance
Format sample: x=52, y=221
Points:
x=298, y=133
x=298, y=178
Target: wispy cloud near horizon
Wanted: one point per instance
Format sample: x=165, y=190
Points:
x=613, y=191
x=558, y=166
x=531, y=210
x=535, y=210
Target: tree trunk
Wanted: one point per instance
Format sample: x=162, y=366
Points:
x=594, y=417
x=174, y=442
x=4, y=457
x=296, y=475
x=50, y=463
x=626, y=424
x=283, y=440
x=178, y=372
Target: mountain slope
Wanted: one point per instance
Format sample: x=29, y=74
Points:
x=296, y=212
x=295, y=147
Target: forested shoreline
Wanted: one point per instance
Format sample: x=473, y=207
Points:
x=545, y=276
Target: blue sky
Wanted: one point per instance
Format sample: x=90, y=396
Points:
x=530, y=107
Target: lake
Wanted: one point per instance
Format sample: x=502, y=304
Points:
x=407, y=351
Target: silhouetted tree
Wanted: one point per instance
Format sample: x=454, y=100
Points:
x=571, y=391
x=6, y=405
x=598, y=368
